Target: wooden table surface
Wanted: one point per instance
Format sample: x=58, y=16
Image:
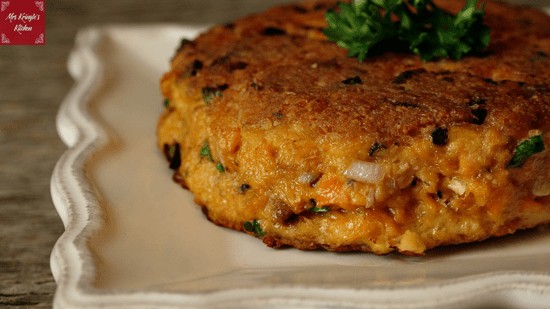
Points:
x=33, y=82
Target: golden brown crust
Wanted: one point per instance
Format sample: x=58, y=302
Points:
x=284, y=113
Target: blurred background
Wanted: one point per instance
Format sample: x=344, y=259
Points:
x=33, y=82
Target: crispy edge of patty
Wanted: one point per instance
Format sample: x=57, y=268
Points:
x=277, y=241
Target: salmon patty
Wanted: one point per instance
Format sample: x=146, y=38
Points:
x=278, y=133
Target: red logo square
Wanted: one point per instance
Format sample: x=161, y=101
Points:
x=22, y=22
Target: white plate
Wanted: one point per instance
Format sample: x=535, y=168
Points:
x=134, y=239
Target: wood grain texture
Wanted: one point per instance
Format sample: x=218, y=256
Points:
x=33, y=83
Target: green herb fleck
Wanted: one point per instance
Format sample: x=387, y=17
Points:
x=525, y=150
x=362, y=26
x=316, y=209
x=205, y=152
x=166, y=103
x=254, y=227
x=172, y=150
x=174, y=156
x=209, y=93
x=322, y=209
x=220, y=167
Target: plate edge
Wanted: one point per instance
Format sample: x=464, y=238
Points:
x=72, y=193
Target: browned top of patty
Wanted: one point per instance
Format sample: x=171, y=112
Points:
x=278, y=65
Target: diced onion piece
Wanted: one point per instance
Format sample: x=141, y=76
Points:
x=457, y=186
x=366, y=172
x=370, y=199
x=308, y=178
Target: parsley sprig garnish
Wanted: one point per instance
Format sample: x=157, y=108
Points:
x=362, y=26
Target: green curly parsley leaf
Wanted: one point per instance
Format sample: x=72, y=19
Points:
x=525, y=150
x=363, y=26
